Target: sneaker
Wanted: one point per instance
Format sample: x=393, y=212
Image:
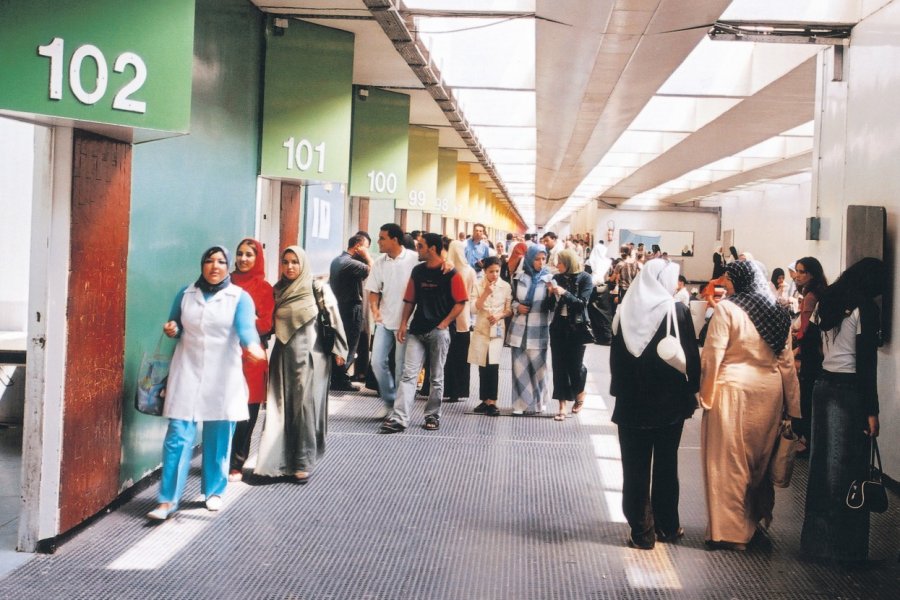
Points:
x=481, y=408
x=518, y=413
x=214, y=503
x=491, y=411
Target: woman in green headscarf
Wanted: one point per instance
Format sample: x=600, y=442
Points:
x=293, y=437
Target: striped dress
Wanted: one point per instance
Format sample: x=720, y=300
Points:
x=529, y=341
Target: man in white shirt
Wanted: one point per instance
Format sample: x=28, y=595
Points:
x=386, y=285
x=549, y=240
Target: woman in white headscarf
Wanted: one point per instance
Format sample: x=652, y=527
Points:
x=600, y=307
x=653, y=399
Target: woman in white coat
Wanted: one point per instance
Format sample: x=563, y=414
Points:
x=213, y=320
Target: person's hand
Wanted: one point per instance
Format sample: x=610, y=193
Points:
x=256, y=352
x=401, y=333
x=523, y=309
x=442, y=325
x=488, y=290
x=170, y=329
x=872, y=430
x=492, y=319
x=559, y=290
x=339, y=360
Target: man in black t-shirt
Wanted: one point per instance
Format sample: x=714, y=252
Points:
x=437, y=299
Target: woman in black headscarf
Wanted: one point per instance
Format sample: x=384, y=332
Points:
x=844, y=412
x=748, y=381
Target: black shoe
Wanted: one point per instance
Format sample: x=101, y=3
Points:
x=634, y=544
x=492, y=411
x=481, y=408
x=391, y=427
x=670, y=537
x=452, y=399
x=343, y=386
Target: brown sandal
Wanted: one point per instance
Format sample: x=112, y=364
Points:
x=579, y=403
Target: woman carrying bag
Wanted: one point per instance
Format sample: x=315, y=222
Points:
x=653, y=399
x=568, y=331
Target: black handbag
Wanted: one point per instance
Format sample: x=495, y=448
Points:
x=579, y=325
x=323, y=320
x=869, y=493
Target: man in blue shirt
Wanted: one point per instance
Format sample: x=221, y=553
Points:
x=477, y=248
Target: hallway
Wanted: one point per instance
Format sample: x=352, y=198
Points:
x=485, y=508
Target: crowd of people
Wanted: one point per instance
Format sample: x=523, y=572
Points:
x=788, y=346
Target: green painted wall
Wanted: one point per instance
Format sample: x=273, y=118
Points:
x=189, y=193
x=380, y=146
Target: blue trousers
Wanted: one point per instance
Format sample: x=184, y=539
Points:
x=177, y=450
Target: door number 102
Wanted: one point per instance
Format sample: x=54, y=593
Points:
x=122, y=100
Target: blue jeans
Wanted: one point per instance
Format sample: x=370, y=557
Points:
x=385, y=341
x=436, y=341
x=177, y=450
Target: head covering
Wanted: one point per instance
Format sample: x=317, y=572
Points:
x=536, y=276
x=205, y=286
x=515, y=256
x=599, y=262
x=456, y=254
x=257, y=272
x=570, y=260
x=649, y=298
x=295, y=304
x=752, y=295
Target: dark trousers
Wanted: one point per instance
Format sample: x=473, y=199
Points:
x=488, y=382
x=352, y=317
x=600, y=311
x=456, y=367
x=650, y=480
x=240, y=441
x=569, y=373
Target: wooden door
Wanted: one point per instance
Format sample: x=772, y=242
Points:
x=95, y=346
x=290, y=216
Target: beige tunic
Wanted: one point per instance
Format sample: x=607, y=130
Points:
x=485, y=349
x=744, y=388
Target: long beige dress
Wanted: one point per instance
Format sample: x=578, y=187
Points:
x=743, y=389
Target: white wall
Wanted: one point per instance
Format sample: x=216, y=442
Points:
x=16, y=166
x=860, y=153
x=769, y=221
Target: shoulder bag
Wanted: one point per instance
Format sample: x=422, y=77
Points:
x=579, y=325
x=869, y=493
x=669, y=348
x=323, y=320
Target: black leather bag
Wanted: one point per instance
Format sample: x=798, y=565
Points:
x=323, y=320
x=579, y=325
x=869, y=493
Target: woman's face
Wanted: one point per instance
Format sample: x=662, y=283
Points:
x=245, y=259
x=780, y=279
x=802, y=277
x=215, y=268
x=539, y=261
x=290, y=266
x=492, y=273
x=561, y=267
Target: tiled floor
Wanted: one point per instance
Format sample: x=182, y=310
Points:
x=485, y=508
x=10, y=498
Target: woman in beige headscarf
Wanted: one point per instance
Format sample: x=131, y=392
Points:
x=293, y=437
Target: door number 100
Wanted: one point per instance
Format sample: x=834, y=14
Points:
x=122, y=100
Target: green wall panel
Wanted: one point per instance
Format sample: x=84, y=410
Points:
x=189, y=193
x=446, y=182
x=308, y=103
x=421, y=170
x=150, y=41
x=378, y=156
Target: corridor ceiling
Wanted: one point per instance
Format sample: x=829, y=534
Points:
x=558, y=103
